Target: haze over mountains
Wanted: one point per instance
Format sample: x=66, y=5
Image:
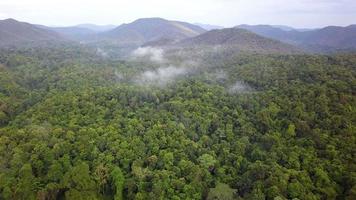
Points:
x=162, y=32
x=209, y=27
x=13, y=32
x=145, y=30
x=330, y=38
x=80, y=31
x=97, y=28
x=234, y=39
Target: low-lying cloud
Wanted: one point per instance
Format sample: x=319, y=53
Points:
x=167, y=69
x=118, y=76
x=153, y=54
x=161, y=76
x=220, y=75
x=101, y=53
x=238, y=87
x=170, y=66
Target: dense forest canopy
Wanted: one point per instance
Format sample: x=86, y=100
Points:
x=246, y=126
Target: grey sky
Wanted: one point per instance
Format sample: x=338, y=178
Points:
x=297, y=13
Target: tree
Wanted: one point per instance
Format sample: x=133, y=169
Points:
x=207, y=161
x=222, y=192
x=118, y=181
x=26, y=186
x=80, y=183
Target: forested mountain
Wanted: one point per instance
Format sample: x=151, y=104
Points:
x=234, y=39
x=132, y=34
x=288, y=36
x=162, y=42
x=14, y=32
x=81, y=32
x=123, y=40
x=328, y=39
x=97, y=28
x=282, y=27
x=73, y=32
x=149, y=29
x=332, y=37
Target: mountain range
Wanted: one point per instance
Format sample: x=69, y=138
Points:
x=150, y=29
x=13, y=32
x=331, y=38
x=97, y=28
x=209, y=27
x=235, y=39
x=162, y=32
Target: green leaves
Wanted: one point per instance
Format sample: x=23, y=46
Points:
x=222, y=192
x=26, y=185
x=207, y=161
x=118, y=180
x=76, y=132
x=79, y=182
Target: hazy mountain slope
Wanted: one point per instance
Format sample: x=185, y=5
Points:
x=237, y=40
x=149, y=29
x=283, y=27
x=159, y=42
x=97, y=28
x=81, y=32
x=289, y=36
x=332, y=38
x=73, y=32
x=15, y=32
x=208, y=27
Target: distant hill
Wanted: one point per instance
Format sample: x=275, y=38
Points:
x=97, y=28
x=161, y=32
x=72, y=32
x=288, y=36
x=209, y=27
x=283, y=27
x=81, y=32
x=150, y=29
x=14, y=32
x=328, y=39
x=234, y=39
x=332, y=37
x=160, y=42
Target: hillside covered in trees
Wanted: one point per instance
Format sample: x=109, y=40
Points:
x=76, y=126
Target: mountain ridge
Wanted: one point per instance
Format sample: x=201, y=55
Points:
x=149, y=29
x=237, y=40
x=330, y=38
x=15, y=32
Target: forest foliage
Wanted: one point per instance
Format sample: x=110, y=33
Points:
x=71, y=128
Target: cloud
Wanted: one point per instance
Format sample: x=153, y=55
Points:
x=161, y=76
x=119, y=76
x=168, y=68
x=238, y=87
x=153, y=54
x=220, y=75
x=101, y=53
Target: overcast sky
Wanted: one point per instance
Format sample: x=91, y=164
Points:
x=297, y=13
